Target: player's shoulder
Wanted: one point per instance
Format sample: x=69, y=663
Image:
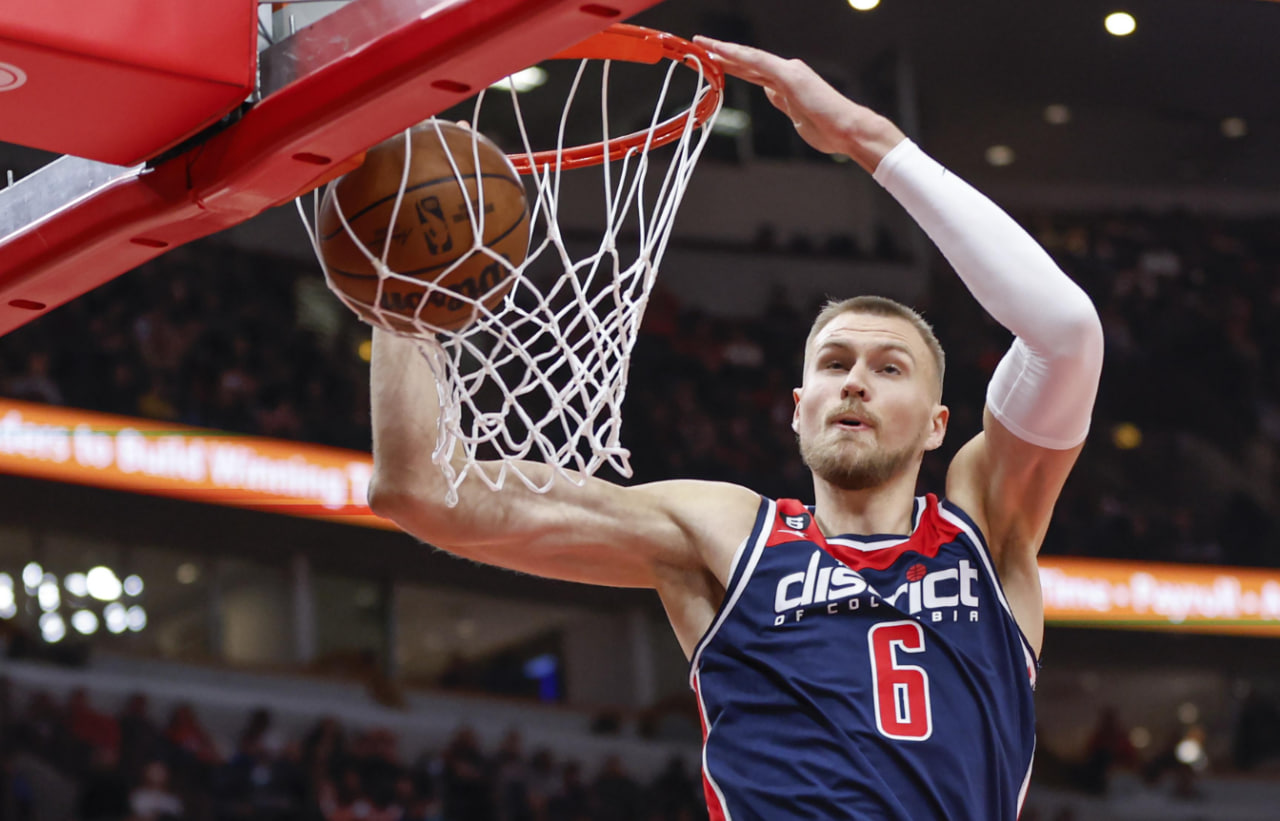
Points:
x=714, y=516
x=703, y=504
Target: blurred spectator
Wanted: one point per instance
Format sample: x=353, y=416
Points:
x=189, y=737
x=615, y=796
x=675, y=792
x=571, y=801
x=35, y=384
x=89, y=728
x=153, y=800
x=1108, y=747
x=467, y=789
x=104, y=791
x=511, y=780
x=1256, y=739
x=140, y=738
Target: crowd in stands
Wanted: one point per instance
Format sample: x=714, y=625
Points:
x=129, y=767
x=1182, y=457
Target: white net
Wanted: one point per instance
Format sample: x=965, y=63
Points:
x=541, y=375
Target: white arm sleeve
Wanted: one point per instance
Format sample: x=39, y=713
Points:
x=1044, y=388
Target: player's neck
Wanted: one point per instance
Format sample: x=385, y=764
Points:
x=887, y=508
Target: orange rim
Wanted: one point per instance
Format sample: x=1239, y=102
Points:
x=634, y=44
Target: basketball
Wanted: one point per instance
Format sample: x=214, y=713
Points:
x=441, y=273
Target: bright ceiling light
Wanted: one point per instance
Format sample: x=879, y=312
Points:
x=85, y=622
x=1057, y=114
x=76, y=584
x=116, y=618
x=31, y=576
x=133, y=585
x=6, y=582
x=731, y=122
x=522, y=81
x=8, y=607
x=1234, y=128
x=103, y=584
x=1188, y=751
x=136, y=618
x=1000, y=155
x=863, y=5
x=52, y=628
x=1120, y=23
x=47, y=594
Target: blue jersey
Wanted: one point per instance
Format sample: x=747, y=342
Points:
x=854, y=677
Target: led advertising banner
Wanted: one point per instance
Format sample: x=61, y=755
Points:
x=145, y=456
x=1158, y=596
x=300, y=479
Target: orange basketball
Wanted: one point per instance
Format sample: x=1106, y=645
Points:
x=442, y=275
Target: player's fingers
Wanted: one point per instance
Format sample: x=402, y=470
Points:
x=741, y=61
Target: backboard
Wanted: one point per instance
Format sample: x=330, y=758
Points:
x=326, y=91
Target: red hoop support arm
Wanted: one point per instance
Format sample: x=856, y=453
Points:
x=347, y=82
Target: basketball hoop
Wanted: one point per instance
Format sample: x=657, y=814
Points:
x=541, y=376
x=635, y=44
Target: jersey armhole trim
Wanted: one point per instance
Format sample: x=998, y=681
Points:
x=952, y=512
x=748, y=552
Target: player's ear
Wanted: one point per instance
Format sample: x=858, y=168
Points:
x=937, y=427
x=795, y=413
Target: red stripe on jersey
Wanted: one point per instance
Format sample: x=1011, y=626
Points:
x=932, y=532
x=714, y=808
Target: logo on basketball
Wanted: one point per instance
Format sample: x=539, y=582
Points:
x=435, y=228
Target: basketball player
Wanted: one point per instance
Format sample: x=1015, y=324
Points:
x=871, y=656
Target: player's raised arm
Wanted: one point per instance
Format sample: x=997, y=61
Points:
x=1041, y=396
x=599, y=533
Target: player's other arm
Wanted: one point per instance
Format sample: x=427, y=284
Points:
x=600, y=533
x=1041, y=397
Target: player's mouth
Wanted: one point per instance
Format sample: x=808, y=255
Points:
x=852, y=423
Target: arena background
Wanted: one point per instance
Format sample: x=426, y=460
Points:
x=248, y=657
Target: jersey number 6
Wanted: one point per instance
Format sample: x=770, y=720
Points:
x=901, y=690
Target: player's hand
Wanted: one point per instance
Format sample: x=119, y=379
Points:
x=824, y=118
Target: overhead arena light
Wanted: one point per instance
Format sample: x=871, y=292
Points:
x=116, y=618
x=8, y=607
x=136, y=618
x=522, y=81
x=85, y=622
x=47, y=593
x=77, y=584
x=1000, y=155
x=52, y=628
x=863, y=5
x=103, y=584
x=1120, y=23
x=31, y=576
x=133, y=585
x=1057, y=114
x=1234, y=128
x=731, y=122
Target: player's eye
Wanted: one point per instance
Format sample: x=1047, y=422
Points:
x=893, y=370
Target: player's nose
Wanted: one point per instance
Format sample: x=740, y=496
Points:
x=855, y=382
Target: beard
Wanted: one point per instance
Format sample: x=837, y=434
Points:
x=850, y=468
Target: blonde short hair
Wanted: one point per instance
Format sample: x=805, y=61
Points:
x=879, y=306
